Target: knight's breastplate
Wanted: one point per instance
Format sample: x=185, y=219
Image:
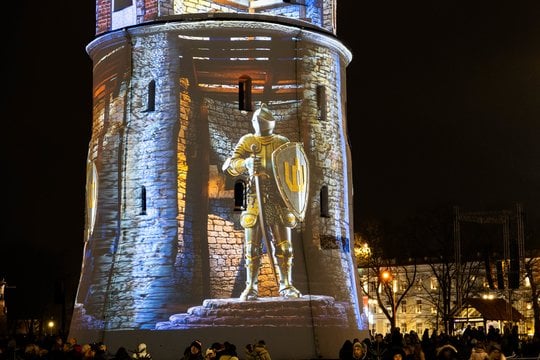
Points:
x=275, y=211
x=265, y=155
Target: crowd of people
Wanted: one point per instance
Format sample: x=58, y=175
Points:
x=473, y=344
x=49, y=348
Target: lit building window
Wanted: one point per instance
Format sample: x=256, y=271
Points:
x=373, y=286
x=402, y=285
x=419, y=285
x=434, y=284
x=418, y=306
x=404, y=306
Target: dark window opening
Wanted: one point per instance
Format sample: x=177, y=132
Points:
x=321, y=102
x=324, y=201
x=239, y=196
x=122, y=4
x=143, y=200
x=244, y=93
x=151, y=100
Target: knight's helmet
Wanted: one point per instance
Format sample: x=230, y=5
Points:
x=175, y=84
x=263, y=120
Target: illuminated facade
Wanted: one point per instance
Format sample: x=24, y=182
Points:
x=175, y=85
x=418, y=310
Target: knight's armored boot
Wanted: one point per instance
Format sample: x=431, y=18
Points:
x=286, y=288
x=251, y=292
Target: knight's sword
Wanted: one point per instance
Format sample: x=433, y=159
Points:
x=262, y=223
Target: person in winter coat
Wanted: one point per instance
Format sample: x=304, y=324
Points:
x=193, y=351
x=379, y=348
x=259, y=352
x=495, y=352
x=229, y=352
x=345, y=352
x=359, y=351
x=479, y=352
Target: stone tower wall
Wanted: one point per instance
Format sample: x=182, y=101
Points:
x=143, y=263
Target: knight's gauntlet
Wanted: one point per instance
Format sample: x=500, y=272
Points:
x=235, y=167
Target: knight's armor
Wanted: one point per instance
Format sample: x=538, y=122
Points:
x=278, y=218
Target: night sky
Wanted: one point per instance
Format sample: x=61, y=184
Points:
x=443, y=110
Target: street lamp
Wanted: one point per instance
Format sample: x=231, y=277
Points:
x=390, y=283
x=50, y=324
x=386, y=276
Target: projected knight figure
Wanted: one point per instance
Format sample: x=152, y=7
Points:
x=276, y=198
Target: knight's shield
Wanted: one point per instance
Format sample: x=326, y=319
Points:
x=291, y=171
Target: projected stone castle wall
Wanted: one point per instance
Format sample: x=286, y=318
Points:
x=116, y=14
x=163, y=239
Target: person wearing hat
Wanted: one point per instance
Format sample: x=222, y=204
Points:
x=193, y=351
x=252, y=159
x=359, y=351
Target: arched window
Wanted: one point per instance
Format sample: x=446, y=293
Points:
x=244, y=93
x=239, y=195
x=143, y=200
x=151, y=96
x=324, y=201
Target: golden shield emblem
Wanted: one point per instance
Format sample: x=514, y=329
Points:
x=291, y=171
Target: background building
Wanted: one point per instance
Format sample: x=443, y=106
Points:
x=420, y=307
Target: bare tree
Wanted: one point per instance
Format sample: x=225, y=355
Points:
x=431, y=232
x=532, y=272
x=393, y=282
x=442, y=295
